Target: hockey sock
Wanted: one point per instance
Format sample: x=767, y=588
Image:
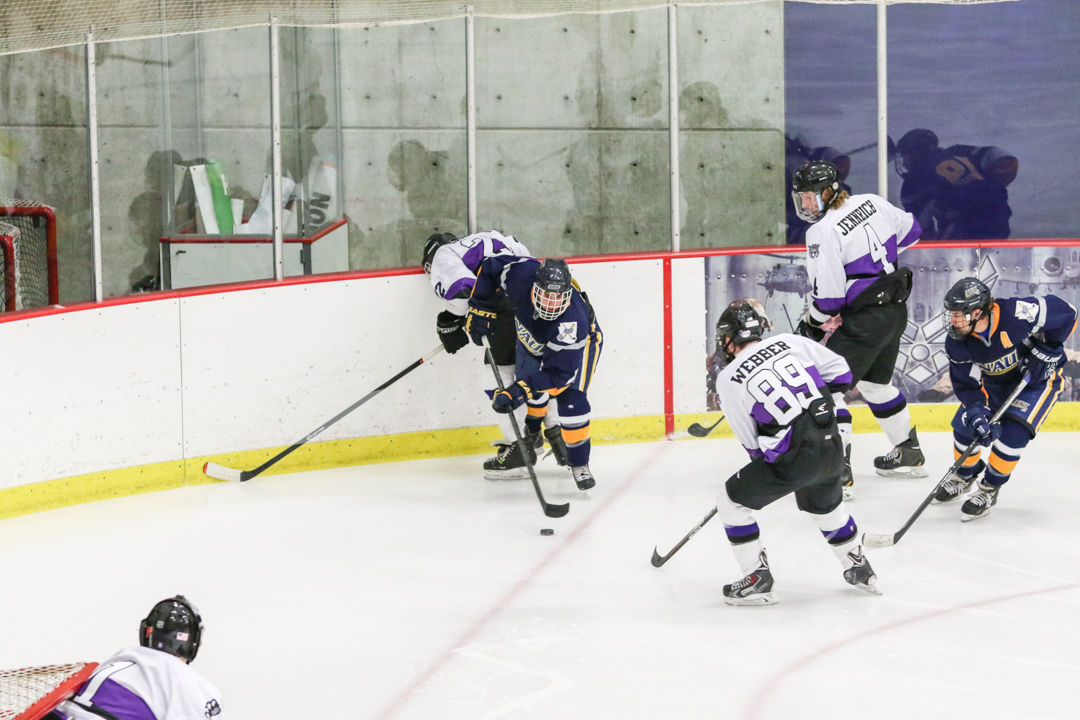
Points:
x=890, y=408
x=1005, y=452
x=840, y=531
x=742, y=532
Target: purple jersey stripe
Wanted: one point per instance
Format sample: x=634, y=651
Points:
x=840, y=382
x=473, y=257
x=772, y=454
x=856, y=289
x=829, y=306
x=460, y=288
x=114, y=698
x=912, y=236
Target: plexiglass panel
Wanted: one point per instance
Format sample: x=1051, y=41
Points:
x=44, y=152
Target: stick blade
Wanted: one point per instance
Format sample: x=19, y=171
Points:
x=556, y=511
x=879, y=540
x=657, y=558
x=697, y=430
x=221, y=472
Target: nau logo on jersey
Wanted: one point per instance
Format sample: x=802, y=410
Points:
x=1003, y=364
x=1027, y=311
x=526, y=338
x=568, y=333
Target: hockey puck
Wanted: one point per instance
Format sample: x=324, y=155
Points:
x=547, y=531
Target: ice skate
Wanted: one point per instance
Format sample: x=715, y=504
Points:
x=953, y=487
x=583, y=477
x=754, y=589
x=558, y=445
x=980, y=503
x=508, y=463
x=860, y=574
x=904, y=460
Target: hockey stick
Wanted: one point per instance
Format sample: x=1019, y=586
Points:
x=226, y=473
x=658, y=559
x=551, y=510
x=890, y=539
x=699, y=430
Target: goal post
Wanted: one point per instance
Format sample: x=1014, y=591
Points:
x=33, y=246
x=30, y=693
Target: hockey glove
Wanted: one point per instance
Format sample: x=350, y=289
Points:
x=809, y=329
x=451, y=332
x=504, y=401
x=479, y=322
x=974, y=419
x=1042, y=360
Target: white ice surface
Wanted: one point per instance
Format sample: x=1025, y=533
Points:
x=419, y=590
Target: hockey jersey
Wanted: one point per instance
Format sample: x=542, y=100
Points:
x=565, y=345
x=455, y=265
x=769, y=384
x=141, y=683
x=991, y=359
x=851, y=247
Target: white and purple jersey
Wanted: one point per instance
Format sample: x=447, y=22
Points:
x=769, y=384
x=851, y=247
x=141, y=683
x=455, y=265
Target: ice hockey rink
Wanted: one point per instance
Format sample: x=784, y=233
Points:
x=419, y=590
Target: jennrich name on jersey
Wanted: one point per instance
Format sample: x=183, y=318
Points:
x=856, y=216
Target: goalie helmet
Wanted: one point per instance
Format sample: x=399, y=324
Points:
x=552, y=289
x=739, y=324
x=966, y=296
x=815, y=177
x=434, y=242
x=173, y=626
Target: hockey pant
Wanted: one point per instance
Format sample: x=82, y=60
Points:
x=1018, y=427
x=811, y=470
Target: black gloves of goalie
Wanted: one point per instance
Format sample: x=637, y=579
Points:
x=1041, y=360
x=809, y=329
x=451, y=331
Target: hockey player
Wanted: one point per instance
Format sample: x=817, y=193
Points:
x=991, y=345
x=559, y=344
x=777, y=395
x=852, y=250
x=451, y=265
x=154, y=681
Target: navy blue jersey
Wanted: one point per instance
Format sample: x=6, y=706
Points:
x=991, y=359
x=563, y=345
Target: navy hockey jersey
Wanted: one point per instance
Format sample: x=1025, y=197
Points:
x=564, y=345
x=991, y=360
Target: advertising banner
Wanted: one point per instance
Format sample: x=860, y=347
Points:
x=780, y=282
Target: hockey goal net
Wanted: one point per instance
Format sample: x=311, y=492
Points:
x=28, y=253
x=30, y=693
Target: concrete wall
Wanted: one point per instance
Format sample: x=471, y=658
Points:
x=572, y=138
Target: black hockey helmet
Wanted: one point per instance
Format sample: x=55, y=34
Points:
x=815, y=176
x=915, y=148
x=173, y=626
x=966, y=296
x=551, y=289
x=434, y=242
x=739, y=324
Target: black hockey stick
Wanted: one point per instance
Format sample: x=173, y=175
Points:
x=551, y=510
x=699, y=430
x=658, y=559
x=890, y=539
x=226, y=473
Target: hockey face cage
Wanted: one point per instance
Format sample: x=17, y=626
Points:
x=550, y=305
x=173, y=626
x=963, y=299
